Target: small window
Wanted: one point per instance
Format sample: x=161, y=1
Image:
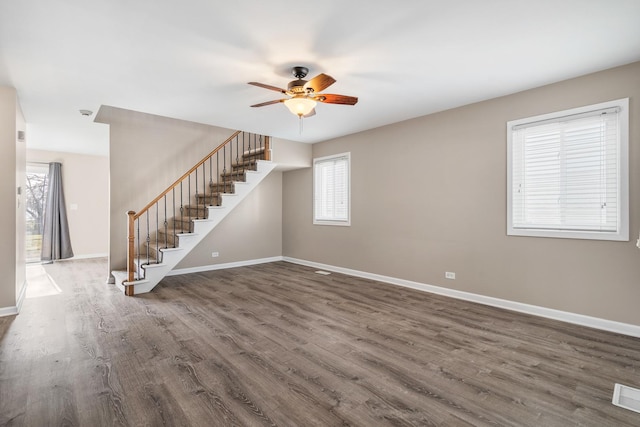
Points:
x=568, y=174
x=331, y=190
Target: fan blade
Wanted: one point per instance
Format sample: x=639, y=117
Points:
x=262, y=104
x=319, y=83
x=336, y=99
x=277, y=89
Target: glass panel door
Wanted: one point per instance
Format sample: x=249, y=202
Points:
x=36, y=193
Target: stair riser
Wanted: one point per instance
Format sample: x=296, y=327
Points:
x=254, y=154
x=234, y=176
x=250, y=164
x=154, y=252
x=239, y=167
x=208, y=200
x=197, y=211
x=170, y=238
x=184, y=224
x=244, y=166
x=146, y=257
x=222, y=188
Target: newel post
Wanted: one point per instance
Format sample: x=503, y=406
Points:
x=128, y=289
x=267, y=148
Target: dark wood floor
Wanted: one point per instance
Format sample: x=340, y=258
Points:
x=278, y=344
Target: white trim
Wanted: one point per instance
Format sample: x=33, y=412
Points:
x=621, y=106
x=626, y=397
x=8, y=311
x=86, y=256
x=337, y=222
x=21, y=296
x=224, y=266
x=77, y=257
x=15, y=309
x=549, y=313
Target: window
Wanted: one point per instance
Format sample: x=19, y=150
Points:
x=36, y=186
x=568, y=173
x=331, y=199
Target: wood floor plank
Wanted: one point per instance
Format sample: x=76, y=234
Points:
x=279, y=345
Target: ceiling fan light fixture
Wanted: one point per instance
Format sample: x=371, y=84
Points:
x=304, y=95
x=300, y=106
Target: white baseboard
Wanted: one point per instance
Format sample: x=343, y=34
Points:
x=86, y=256
x=8, y=311
x=213, y=267
x=564, y=316
x=13, y=310
x=74, y=258
x=21, y=296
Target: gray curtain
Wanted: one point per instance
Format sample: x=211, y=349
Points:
x=56, y=243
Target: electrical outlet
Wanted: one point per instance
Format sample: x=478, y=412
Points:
x=215, y=254
x=450, y=275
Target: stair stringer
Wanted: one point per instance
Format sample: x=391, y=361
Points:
x=154, y=273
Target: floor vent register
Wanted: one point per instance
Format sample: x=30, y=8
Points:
x=626, y=397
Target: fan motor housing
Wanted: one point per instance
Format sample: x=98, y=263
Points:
x=296, y=86
x=299, y=72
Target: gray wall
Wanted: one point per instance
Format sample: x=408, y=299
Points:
x=252, y=231
x=429, y=196
x=12, y=214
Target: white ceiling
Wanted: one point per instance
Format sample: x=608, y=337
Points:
x=192, y=59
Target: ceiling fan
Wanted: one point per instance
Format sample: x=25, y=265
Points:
x=304, y=95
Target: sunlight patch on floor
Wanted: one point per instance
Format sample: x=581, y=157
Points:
x=39, y=283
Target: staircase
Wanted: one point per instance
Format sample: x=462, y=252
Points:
x=169, y=227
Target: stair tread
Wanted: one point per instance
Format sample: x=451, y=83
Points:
x=195, y=207
x=152, y=260
x=153, y=246
x=246, y=162
x=235, y=172
x=170, y=230
x=144, y=259
x=240, y=176
x=121, y=276
x=208, y=202
x=254, y=151
x=191, y=207
x=227, y=187
x=208, y=197
x=187, y=220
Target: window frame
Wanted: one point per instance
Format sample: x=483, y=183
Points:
x=622, y=233
x=338, y=222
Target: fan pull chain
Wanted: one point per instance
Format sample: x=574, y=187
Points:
x=300, y=130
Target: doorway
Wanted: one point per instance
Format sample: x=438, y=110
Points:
x=35, y=194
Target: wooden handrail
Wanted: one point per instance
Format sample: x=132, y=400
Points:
x=183, y=177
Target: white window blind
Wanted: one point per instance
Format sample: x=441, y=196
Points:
x=568, y=174
x=331, y=190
